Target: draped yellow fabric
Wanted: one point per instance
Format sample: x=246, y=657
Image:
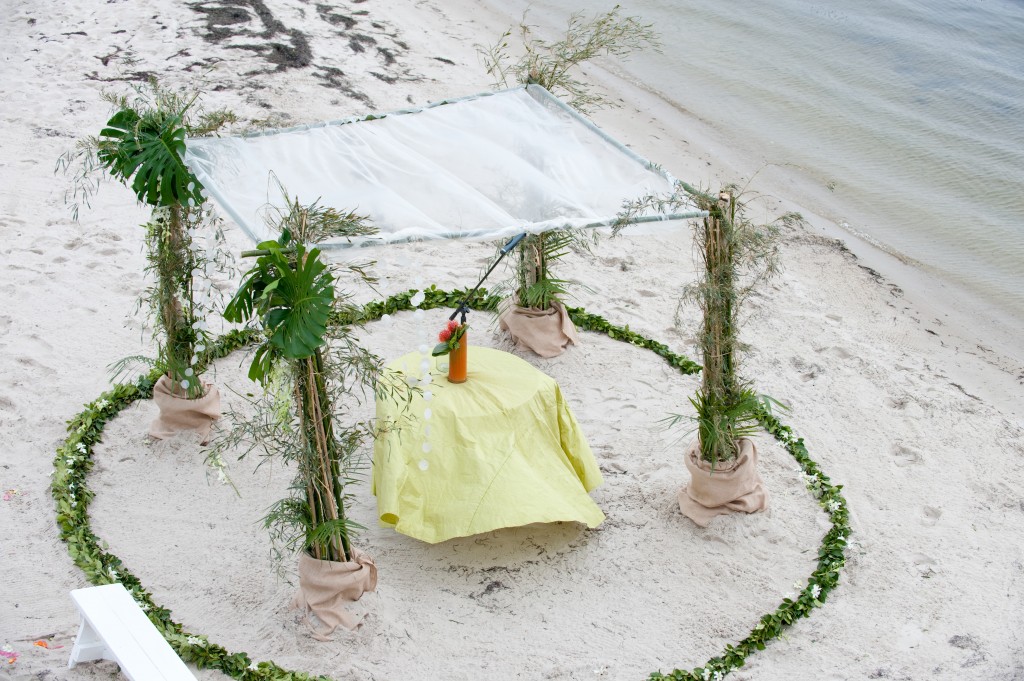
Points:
x=500, y=450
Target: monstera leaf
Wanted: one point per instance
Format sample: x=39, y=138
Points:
x=152, y=149
x=300, y=304
x=293, y=294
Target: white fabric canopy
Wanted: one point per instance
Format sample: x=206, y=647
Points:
x=487, y=166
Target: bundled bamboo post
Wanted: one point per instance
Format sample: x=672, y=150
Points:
x=718, y=341
x=321, y=467
x=531, y=267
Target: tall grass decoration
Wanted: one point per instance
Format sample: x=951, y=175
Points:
x=736, y=256
x=312, y=369
x=535, y=284
x=143, y=146
x=552, y=65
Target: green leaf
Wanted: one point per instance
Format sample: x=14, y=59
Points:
x=151, y=148
x=293, y=295
x=302, y=298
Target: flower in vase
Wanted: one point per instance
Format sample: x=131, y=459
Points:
x=449, y=338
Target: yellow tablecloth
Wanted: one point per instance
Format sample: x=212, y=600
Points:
x=500, y=450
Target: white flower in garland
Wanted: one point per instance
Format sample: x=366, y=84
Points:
x=815, y=591
x=81, y=447
x=195, y=641
x=833, y=506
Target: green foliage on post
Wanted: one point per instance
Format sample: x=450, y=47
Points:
x=291, y=292
x=551, y=64
x=143, y=146
x=535, y=284
x=737, y=255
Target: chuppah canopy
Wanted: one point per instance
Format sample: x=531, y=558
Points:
x=487, y=167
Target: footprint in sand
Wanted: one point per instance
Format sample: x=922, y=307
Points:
x=837, y=351
x=930, y=515
x=40, y=342
x=924, y=566
x=810, y=371
x=29, y=362
x=898, y=402
x=905, y=456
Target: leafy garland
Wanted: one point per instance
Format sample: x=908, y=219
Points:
x=74, y=461
x=831, y=558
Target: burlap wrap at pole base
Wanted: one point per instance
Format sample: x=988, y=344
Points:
x=546, y=332
x=325, y=587
x=735, y=486
x=179, y=413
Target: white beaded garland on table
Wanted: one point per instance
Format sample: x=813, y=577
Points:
x=417, y=373
x=420, y=376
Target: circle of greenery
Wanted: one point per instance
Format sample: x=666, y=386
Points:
x=72, y=495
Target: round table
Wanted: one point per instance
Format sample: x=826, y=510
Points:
x=500, y=450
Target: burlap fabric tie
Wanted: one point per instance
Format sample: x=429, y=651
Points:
x=546, y=332
x=733, y=487
x=178, y=413
x=327, y=587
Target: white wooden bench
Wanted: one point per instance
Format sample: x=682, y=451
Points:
x=115, y=628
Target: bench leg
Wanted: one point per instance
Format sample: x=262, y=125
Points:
x=88, y=646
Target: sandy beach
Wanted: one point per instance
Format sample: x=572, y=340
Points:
x=913, y=407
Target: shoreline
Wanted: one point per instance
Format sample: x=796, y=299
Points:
x=947, y=313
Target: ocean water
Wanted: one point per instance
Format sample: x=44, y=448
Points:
x=914, y=110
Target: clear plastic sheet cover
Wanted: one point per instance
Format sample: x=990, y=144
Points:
x=483, y=167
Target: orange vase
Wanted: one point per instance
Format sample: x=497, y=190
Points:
x=457, y=361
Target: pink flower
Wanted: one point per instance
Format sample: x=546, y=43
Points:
x=445, y=334
x=452, y=325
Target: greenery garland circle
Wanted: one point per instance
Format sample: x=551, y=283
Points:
x=72, y=496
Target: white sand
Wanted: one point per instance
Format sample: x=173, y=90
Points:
x=918, y=416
